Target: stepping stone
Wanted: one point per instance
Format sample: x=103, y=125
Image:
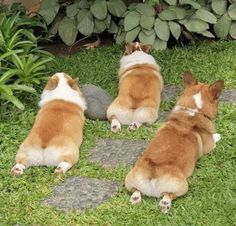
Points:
x=228, y=95
x=79, y=193
x=169, y=92
x=163, y=116
x=115, y=152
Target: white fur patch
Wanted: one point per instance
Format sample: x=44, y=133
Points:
x=189, y=111
x=216, y=137
x=65, y=166
x=135, y=197
x=125, y=116
x=18, y=168
x=115, y=126
x=137, y=57
x=62, y=92
x=198, y=100
x=35, y=156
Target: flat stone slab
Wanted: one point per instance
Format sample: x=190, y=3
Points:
x=79, y=193
x=115, y=152
x=228, y=95
x=163, y=116
x=169, y=92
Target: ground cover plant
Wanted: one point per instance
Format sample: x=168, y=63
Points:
x=211, y=196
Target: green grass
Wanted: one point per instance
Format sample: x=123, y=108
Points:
x=211, y=196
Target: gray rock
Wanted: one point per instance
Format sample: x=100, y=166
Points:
x=169, y=92
x=114, y=152
x=82, y=193
x=98, y=100
x=228, y=95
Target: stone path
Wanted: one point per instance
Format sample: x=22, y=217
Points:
x=81, y=193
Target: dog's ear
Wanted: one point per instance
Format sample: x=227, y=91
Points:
x=146, y=48
x=216, y=89
x=52, y=83
x=128, y=48
x=73, y=83
x=188, y=79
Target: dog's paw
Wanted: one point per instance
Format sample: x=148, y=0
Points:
x=115, y=126
x=165, y=205
x=17, y=170
x=216, y=137
x=133, y=126
x=59, y=170
x=135, y=198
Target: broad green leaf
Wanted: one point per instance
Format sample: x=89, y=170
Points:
x=85, y=22
x=99, y=26
x=148, y=32
x=132, y=34
x=222, y=27
x=113, y=27
x=72, y=10
x=132, y=6
x=120, y=38
x=219, y=6
x=145, y=39
x=108, y=20
x=232, y=31
x=171, y=2
x=206, y=34
x=6, y=89
x=131, y=20
x=11, y=52
x=7, y=75
x=168, y=14
x=196, y=25
x=99, y=9
x=68, y=31
x=193, y=3
x=232, y=11
x=83, y=4
x=49, y=9
x=205, y=15
x=14, y=100
x=162, y=29
x=159, y=44
x=116, y=7
x=147, y=22
x=181, y=13
x=146, y=9
x=175, y=29
x=22, y=88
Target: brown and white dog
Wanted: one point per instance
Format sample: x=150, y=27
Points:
x=140, y=86
x=170, y=158
x=57, y=133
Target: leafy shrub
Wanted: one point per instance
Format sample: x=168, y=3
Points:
x=22, y=62
x=142, y=21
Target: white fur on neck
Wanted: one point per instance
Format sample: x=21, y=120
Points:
x=198, y=100
x=137, y=57
x=62, y=92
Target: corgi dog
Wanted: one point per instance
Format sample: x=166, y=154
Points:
x=140, y=86
x=189, y=132
x=57, y=132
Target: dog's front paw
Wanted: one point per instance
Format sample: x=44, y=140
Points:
x=115, y=126
x=133, y=126
x=216, y=137
x=165, y=205
x=135, y=198
x=17, y=170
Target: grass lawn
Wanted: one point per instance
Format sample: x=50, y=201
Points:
x=211, y=198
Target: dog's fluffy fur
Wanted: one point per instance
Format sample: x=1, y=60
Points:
x=170, y=158
x=57, y=133
x=140, y=86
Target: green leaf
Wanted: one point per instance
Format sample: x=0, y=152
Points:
x=99, y=26
x=148, y=32
x=232, y=31
x=99, y=9
x=181, y=13
x=175, y=29
x=171, y=2
x=147, y=39
x=147, y=22
x=116, y=7
x=22, y=88
x=194, y=4
x=120, y=38
x=14, y=100
x=83, y=4
x=196, y=25
x=85, y=22
x=145, y=9
x=72, y=10
x=159, y=44
x=7, y=75
x=49, y=10
x=219, y=6
x=68, y=31
x=205, y=15
x=168, y=14
x=132, y=6
x=132, y=34
x=6, y=89
x=222, y=27
x=207, y=34
x=232, y=11
x=162, y=29
x=108, y=20
x=113, y=27
x=131, y=20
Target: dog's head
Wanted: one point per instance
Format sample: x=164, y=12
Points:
x=201, y=96
x=136, y=46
